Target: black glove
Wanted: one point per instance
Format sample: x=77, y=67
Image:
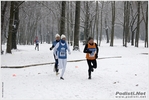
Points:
x=50, y=48
x=96, y=56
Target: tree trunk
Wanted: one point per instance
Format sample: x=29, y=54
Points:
x=124, y=34
x=101, y=24
x=134, y=17
x=62, y=25
x=91, y=28
x=128, y=18
x=126, y=22
x=86, y=29
x=9, y=40
x=107, y=35
x=106, y=25
x=68, y=25
x=97, y=17
x=77, y=26
x=138, y=27
x=53, y=20
x=71, y=30
x=146, y=27
x=94, y=27
x=113, y=22
x=132, y=38
x=15, y=27
x=145, y=19
x=41, y=36
x=3, y=10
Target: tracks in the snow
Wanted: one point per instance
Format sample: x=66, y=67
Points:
x=24, y=66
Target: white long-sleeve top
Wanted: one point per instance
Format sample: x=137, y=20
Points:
x=57, y=45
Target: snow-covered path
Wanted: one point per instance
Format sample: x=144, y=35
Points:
x=126, y=74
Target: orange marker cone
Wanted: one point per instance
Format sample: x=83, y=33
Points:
x=14, y=75
x=76, y=66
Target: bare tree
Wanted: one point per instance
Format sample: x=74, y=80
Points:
x=9, y=40
x=145, y=19
x=126, y=23
x=86, y=23
x=77, y=26
x=132, y=23
x=15, y=24
x=146, y=35
x=101, y=23
x=113, y=22
x=71, y=21
x=106, y=22
x=68, y=23
x=62, y=25
x=3, y=11
x=97, y=21
x=44, y=19
x=138, y=26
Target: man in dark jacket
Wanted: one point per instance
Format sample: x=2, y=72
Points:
x=57, y=37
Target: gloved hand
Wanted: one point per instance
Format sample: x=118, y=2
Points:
x=51, y=48
x=96, y=56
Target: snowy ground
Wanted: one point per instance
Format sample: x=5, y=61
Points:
x=126, y=74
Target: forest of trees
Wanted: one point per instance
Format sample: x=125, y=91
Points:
x=22, y=21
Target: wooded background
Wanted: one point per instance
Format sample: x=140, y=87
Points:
x=22, y=21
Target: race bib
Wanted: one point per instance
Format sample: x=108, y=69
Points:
x=62, y=52
x=93, y=53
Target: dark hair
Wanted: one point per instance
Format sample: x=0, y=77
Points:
x=90, y=38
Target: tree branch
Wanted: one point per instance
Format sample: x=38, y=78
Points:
x=19, y=5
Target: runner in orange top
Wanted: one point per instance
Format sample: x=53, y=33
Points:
x=91, y=50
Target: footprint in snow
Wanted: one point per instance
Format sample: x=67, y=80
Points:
x=137, y=84
x=114, y=83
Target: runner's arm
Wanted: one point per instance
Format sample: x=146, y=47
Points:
x=52, y=46
x=55, y=49
x=68, y=48
x=97, y=49
x=86, y=49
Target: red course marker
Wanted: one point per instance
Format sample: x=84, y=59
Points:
x=14, y=75
x=76, y=66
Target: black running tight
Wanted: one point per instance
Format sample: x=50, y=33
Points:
x=92, y=64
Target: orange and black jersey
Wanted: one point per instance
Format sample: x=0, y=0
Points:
x=91, y=50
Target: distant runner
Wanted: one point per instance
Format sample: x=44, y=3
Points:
x=36, y=41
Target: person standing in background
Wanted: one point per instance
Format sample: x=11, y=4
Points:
x=57, y=39
x=91, y=50
x=60, y=51
x=36, y=41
